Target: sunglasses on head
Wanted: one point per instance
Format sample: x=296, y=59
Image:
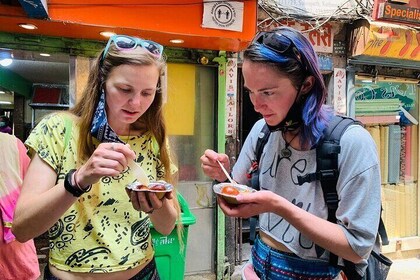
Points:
x=123, y=42
x=278, y=43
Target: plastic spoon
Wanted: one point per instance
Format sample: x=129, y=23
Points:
x=139, y=173
x=226, y=173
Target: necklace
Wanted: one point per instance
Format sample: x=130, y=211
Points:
x=286, y=152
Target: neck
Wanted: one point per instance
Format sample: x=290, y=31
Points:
x=291, y=138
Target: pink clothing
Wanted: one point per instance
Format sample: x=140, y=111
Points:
x=17, y=260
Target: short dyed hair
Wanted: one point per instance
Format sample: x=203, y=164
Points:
x=315, y=114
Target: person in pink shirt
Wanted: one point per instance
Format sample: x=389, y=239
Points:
x=17, y=260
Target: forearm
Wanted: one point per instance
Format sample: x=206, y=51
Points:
x=327, y=235
x=36, y=213
x=164, y=218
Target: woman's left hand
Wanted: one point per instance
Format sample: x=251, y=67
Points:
x=147, y=202
x=250, y=204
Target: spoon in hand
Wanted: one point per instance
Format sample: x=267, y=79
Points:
x=226, y=173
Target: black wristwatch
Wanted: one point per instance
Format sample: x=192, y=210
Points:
x=72, y=187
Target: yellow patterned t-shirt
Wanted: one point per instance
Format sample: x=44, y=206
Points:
x=101, y=232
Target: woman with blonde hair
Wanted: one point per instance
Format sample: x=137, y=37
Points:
x=96, y=231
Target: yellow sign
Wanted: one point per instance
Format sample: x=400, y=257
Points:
x=393, y=42
x=180, y=108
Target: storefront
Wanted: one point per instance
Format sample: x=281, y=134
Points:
x=196, y=81
x=383, y=93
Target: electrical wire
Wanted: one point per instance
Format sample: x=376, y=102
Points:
x=278, y=13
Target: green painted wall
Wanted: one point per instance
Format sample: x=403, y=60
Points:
x=14, y=82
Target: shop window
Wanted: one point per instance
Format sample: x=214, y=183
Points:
x=389, y=109
x=189, y=113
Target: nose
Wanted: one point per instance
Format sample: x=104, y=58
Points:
x=257, y=101
x=135, y=99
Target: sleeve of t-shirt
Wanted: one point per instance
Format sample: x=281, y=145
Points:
x=24, y=159
x=47, y=140
x=247, y=154
x=359, y=189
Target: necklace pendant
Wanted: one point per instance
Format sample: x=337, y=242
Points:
x=286, y=153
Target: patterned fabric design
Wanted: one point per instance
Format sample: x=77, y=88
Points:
x=101, y=232
x=271, y=264
x=100, y=128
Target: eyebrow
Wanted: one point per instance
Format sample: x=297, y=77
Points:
x=263, y=89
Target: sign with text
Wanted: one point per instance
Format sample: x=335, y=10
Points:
x=227, y=15
x=393, y=41
x=340, y=91
x=231, y=92
x=399, y=13
x=321, y=39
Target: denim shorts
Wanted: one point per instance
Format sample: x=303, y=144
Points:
x=272, y=264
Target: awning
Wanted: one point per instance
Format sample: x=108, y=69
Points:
x=385, y=44
x=161, y=22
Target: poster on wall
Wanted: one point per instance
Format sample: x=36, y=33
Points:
x=387, y=98
x=226, y=15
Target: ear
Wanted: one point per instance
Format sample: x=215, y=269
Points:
x=307, y=84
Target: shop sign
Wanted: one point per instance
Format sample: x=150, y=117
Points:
x=406, y=92
x=231, y=90
x=340, y=91
x=321, y=38
x=393, y=41
x=400, y=13
x=227, y=15
x=325, y=62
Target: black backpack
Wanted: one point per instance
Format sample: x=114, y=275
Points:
x=327, y=173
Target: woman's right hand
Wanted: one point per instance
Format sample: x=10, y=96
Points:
x=109, y=159
x=210, y=166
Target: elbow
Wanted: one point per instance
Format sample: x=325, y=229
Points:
x=165, y=231
x=20, y=235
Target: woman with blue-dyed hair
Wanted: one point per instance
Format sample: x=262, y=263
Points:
x=285, y=85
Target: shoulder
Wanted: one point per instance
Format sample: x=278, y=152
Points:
x=259, y=125
x=356, y=133
x=7, y=140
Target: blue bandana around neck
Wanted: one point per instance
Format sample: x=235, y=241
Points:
x=100, y=128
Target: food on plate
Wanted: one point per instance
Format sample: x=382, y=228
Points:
x=142, y=187
x=157, y=187
x=229, y=190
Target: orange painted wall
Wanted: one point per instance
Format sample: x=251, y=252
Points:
x=160, y=22
x=180, y=19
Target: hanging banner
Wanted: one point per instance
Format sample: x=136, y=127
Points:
x=386, y=40
x=227, y=15
x=231, y=90
x=340, y=91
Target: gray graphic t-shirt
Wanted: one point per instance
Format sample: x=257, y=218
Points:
x=358, y=189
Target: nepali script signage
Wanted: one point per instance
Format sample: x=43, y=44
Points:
x=321, y=39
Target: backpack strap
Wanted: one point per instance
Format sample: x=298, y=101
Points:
x=253, y=175
x=254, y=171
x=327, y=172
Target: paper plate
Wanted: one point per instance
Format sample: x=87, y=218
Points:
x=220, y=189
x=159, y=187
